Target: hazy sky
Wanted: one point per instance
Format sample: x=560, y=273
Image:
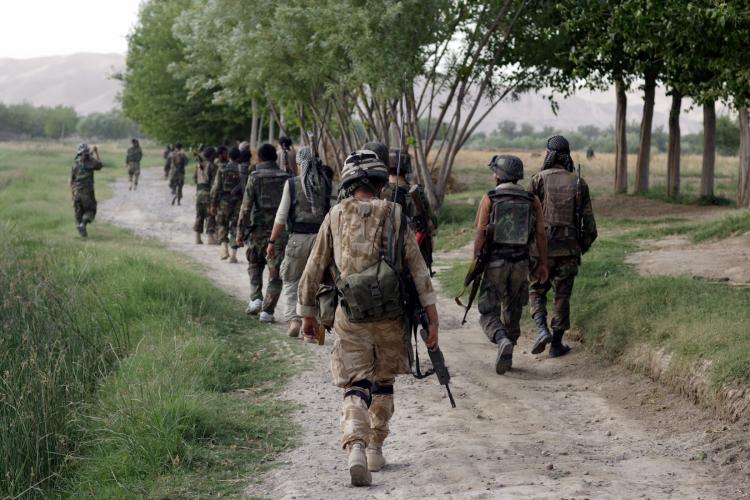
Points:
x=34, y=28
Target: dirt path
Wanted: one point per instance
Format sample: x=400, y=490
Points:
x=566, y=428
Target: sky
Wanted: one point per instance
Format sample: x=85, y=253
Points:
x=37, y=28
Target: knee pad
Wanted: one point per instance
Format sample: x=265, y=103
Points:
x=361, y=389
x=385, y=389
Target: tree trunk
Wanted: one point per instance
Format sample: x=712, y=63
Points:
x=254, y=126
x=271, y=129
x=743, y=187
x=673, y=150
x=709, y=150
x=621, y=142
x=259, y=138
x=644, y=149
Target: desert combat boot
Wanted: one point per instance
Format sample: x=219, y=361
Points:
x=357, y=462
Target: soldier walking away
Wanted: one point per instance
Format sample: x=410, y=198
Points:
x=509, y=221
x=82, y=186
x=178, y=161
x=286, y=156
x=304, y=204
x=133, y=160
x=255, y=224
x=205, y=171
x=245, y=157
x=571, y=230
x=365, y=242
x=412, y=200
x=167, y=157
x=226, y=197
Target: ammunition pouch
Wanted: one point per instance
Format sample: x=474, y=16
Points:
x=371, y=295
x=327, y=300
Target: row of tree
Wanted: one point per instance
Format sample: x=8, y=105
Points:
x=426, y=73
x=26, y=120
x=510, y=135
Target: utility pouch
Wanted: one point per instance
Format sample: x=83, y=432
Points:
x=327, y=300
x=371, y=295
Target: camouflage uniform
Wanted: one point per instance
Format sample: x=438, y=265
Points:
x=166, y=155
x=226, y=196
x=286, y=157
x=178, y=161
x=257, y=213
x=418, y=211
x=204, y=174
x=133, y=159
x=350, y=241
x=82, y=187
x=556, y=188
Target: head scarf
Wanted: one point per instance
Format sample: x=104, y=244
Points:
x=558, y=153
x=313, y=176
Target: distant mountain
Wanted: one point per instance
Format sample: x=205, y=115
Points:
x=80, y=80
x=83, y=81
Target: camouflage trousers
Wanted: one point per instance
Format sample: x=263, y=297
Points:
x=503, y=293
x=562, y=275
x=226, y=219
x=134, y=171
x=367, y=353
x=176, y=181
x=257, y=261
x=203, y=217
x=84, y=205
x=297, y=252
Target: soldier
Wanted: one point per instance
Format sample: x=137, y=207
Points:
x=509, y=221
x=226, y=197
x=259, y=205
x=205, y=171
x=571, y=230
x=412, y=199
x=82, y=187
x=133, y=160
x=245, y=156
x=367, y=244
x=286, y=156
x=304, y=203
x=178, y=160
x=167, y=163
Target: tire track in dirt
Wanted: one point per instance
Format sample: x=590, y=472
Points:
x=563, y=428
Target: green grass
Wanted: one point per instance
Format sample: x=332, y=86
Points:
x=456, y=220
x=689, y=197
x=119, y=361
x=693, y=320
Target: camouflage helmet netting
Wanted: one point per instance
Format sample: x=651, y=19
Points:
x=506, y=168
x=365, y=166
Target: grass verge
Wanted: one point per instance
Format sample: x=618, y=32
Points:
x=123, y=372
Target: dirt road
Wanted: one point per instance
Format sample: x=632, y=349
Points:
x=565, y=428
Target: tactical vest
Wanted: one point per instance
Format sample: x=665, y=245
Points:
x=231, y=180
x=559, y=203
x=179, y=160
x=405, y=197
x=376, y=294
x=512, y=222
x=268, y=184
x=83, y=174
x=302, y=219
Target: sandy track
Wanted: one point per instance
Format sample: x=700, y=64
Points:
x=565, y=428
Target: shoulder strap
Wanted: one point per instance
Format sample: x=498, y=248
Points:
x=292, y=199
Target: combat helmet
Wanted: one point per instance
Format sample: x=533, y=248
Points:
x=379, y=149
x=83, y=149
x=507, y=168
x=400, y=161
x=363, y=167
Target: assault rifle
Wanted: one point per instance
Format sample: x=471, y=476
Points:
x=473, y=278
x=422, y=227
x=578, y=202
x=423, y=325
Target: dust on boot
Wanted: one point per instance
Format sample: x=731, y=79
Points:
x=504, y=358
x=355, y=427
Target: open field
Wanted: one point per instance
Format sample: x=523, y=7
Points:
x=123, y=371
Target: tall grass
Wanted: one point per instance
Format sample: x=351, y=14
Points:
x=118, y=361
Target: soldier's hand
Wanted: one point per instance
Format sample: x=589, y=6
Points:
x=239, y=241
x=271, y=251
x=310, y=328
x=432, y=337
x=212, y=211
x=542, y=273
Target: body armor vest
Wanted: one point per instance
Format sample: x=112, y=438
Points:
x=179, y=160
x=302, y=219
x=512, y=222
x=559, y=203
x=231, y=181
x=268, y=184
x=203, y=176
x=83, y=174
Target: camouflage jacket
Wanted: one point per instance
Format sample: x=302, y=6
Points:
x=350, y=239
x=204, y=175
x=82, y=174
x=134, y=154
x=420, y=218
x=262, y=197
x=178, y=161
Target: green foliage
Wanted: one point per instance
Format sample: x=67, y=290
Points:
x=19, y=120
x=119, y=361
x=727, y=136
x=111, y=125
x=156, y=96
